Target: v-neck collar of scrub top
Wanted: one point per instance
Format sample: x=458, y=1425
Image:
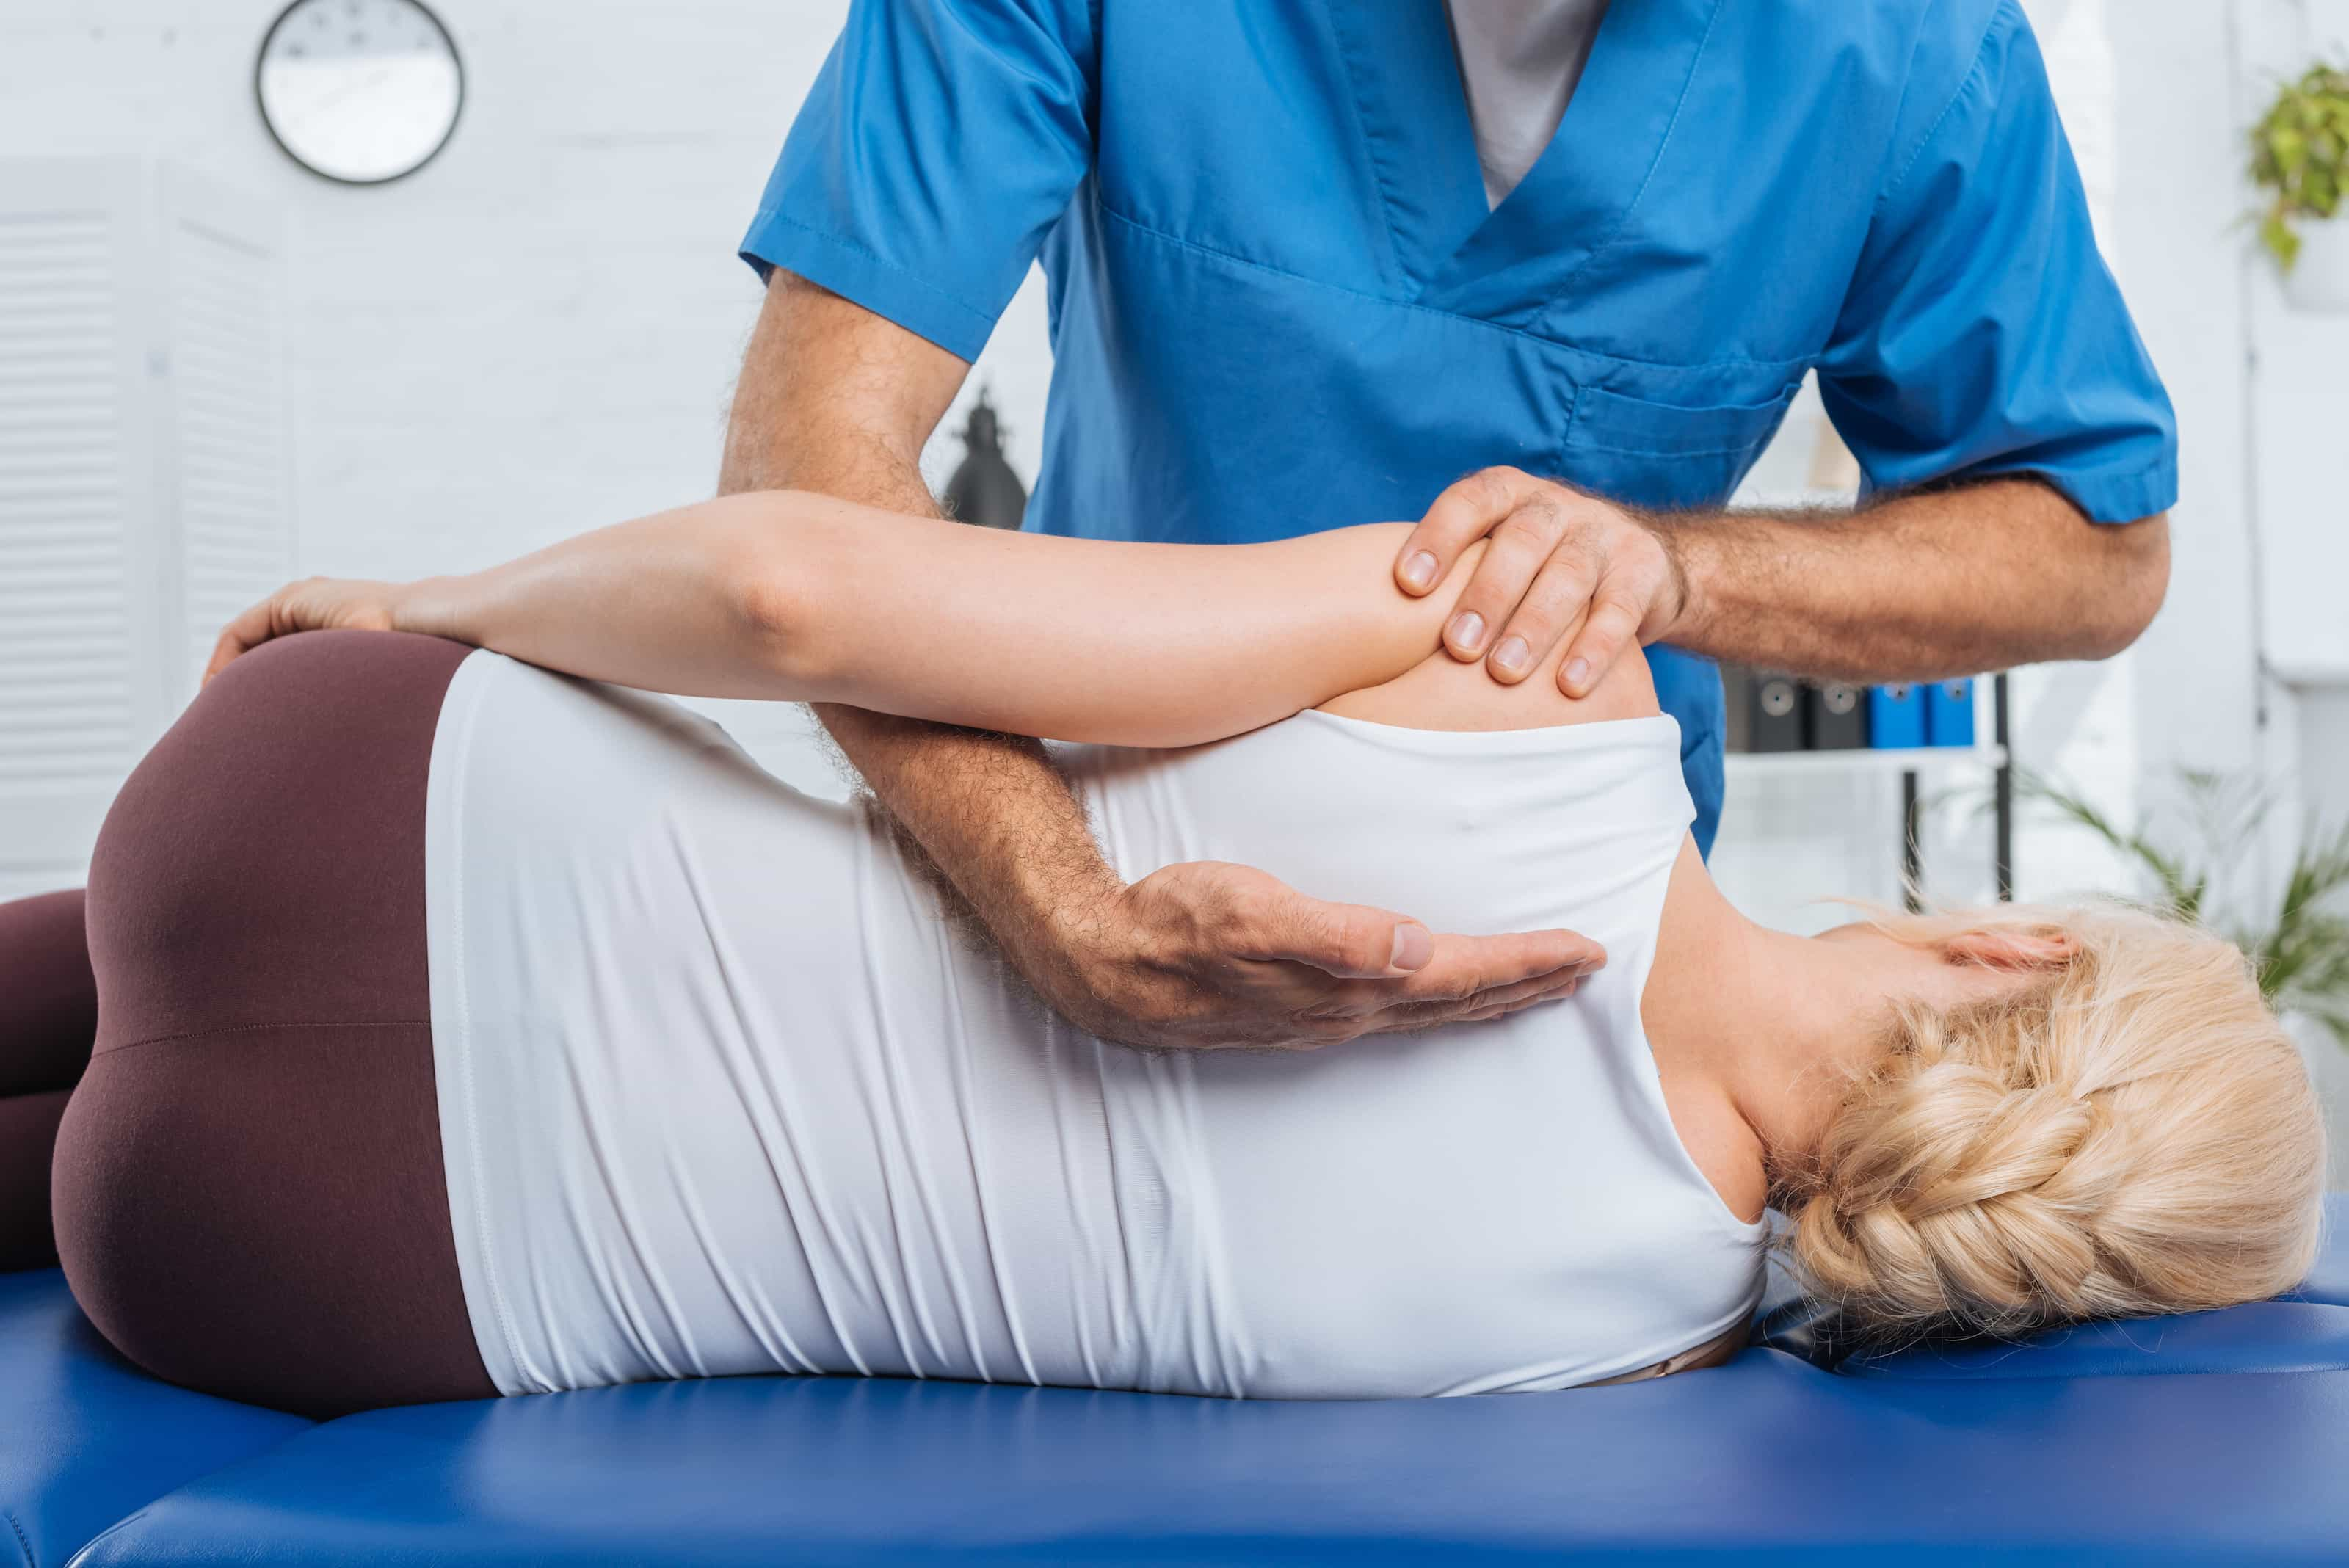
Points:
x=1510, y=265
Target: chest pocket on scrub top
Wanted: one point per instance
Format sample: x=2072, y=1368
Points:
x=1665, y=455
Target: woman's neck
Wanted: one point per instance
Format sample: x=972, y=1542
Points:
x=1773, y=1024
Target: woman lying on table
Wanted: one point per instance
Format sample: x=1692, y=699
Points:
x=469, y=1020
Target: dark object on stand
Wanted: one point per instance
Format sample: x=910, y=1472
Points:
x=985, y=489
x=1839, y=716
x=1773, y=712
x=1763, y=710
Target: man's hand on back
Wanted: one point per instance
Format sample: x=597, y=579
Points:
x=1209, y=955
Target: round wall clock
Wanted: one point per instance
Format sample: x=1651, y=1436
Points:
x=360, y=90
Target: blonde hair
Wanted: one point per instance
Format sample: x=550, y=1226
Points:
x=2132, y=1132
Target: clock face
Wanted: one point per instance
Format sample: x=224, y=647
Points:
x=360, y=90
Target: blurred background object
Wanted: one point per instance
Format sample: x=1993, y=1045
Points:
x=144, y=489
x=983, y=489
x=362, y=91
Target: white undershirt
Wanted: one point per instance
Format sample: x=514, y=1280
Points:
x=721, y=1091
x=1519, y=61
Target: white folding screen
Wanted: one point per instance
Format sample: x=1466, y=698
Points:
x=143, y=493
x=223, y=455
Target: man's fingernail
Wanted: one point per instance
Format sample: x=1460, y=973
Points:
x=1578, y=672
x=1413, y=947
x=1467, y=631
x=1419, y=570
x=1512, y=654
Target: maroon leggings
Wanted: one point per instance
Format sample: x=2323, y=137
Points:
x=246, y=1187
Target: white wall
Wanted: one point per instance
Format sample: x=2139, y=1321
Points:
x=538, y=328
x=539, y=331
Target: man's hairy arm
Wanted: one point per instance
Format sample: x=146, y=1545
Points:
x=1926, y=586
x=1949, y=580
x=834, y=399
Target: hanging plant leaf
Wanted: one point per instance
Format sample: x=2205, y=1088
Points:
x=2277, y=235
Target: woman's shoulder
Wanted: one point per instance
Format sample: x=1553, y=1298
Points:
x=1440, y=692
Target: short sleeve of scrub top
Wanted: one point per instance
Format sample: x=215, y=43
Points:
x=1982, y=334
x=938, y=148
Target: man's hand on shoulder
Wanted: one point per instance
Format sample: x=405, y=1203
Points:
x=1207, y=955
x=1557, y=560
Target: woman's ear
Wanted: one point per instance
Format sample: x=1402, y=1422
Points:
x=2013, y=951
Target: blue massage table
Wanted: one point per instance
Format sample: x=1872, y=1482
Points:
x=2217, y=1438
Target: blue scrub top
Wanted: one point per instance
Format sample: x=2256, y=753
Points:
x=1280, y=301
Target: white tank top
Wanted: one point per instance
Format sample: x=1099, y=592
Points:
x=720, y=1091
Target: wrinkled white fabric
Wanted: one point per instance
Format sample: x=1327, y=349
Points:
x=720, y=1091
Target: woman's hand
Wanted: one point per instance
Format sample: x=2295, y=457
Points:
x=314, y=604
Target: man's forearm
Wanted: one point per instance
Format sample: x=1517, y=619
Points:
x=1924, y=586
x=995, y=822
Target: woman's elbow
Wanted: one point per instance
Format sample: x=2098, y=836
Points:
x=775, y=588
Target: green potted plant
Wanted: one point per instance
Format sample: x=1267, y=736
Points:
x=2300, y=158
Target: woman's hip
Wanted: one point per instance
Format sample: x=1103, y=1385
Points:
x=264, y=863
x=248, y=1186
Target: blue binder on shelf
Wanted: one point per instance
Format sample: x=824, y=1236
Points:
x=1950, y=714
x=1896, y=716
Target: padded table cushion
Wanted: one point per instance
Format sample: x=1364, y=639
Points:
x=1768, y=1460
x=2052, y=1450
x=85, y=1438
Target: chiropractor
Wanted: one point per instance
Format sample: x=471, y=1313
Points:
x=1310, y=261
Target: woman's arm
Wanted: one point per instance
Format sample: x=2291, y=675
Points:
x=803, y=598
x=1136, y=644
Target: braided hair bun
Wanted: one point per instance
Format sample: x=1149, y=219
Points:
x=2134, y=1133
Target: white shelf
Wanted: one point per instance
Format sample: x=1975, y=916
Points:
x=1865, y=760
x=2311, y=672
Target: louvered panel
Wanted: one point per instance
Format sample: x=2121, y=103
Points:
x=234, y=538
x=69, y=709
